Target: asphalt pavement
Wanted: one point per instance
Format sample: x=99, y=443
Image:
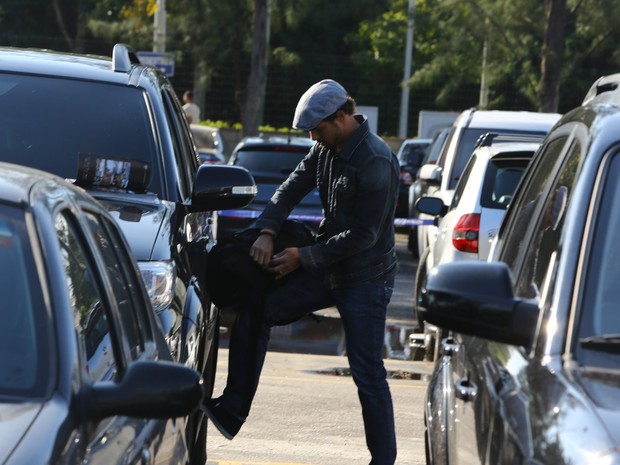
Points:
x=306, y=410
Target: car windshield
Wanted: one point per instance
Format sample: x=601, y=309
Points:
x=48, y=123
x=25, y=355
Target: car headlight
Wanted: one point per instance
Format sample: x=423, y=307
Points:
x=159, y=277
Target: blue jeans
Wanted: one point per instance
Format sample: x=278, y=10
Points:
x=362, y=310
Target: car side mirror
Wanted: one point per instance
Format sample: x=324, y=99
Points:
x=222, y=187
x=430, y=174
x=433, y=206
x=147, y=389
x=477, y=298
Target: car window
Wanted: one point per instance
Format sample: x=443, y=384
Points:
x=548, y=228
x=599, y=308
x=183, y=152
x=460, y=187
x=26, y=352
x=522, y=212
x=47, y=123
x=280, y=162
x=90, y=317
x=135, y=326
x=500, y=182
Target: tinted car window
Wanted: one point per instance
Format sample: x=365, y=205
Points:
x=90, y=318
x=500, y=182
x=280, y=162
x=546, y=234
x=522, y=212
x=25, y=344
x=98, y=119
x=599, y=310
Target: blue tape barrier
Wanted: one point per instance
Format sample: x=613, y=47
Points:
x=317, y=219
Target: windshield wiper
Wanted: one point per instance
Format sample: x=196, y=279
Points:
x=605, y=342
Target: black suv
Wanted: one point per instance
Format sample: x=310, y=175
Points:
x=116, y=128
x=531, y=372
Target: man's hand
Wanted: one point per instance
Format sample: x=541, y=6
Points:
x=262, y=250
x=285, y=262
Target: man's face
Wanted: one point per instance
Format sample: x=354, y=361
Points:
x=328, y=133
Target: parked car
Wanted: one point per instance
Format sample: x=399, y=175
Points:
x=209, y=142
x=442, y=177
x=410, y=156
x=531, y=373
x=419, y=188
x=269, y=160
x=466, y=227
x=86, y=376
x=116, y=128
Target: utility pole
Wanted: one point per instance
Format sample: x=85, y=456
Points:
x=404, y=101
x=159, y=27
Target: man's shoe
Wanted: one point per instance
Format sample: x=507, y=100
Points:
x=222, y=419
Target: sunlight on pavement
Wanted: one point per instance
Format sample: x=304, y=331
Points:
x=228, y=462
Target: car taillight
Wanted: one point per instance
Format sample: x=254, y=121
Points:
x=405, y=177
x=465, y=234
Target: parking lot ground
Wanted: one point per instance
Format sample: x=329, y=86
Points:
x=306, y=412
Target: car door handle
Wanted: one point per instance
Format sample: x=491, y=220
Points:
x=465, y=390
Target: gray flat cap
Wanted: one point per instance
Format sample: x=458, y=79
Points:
x=318, y=102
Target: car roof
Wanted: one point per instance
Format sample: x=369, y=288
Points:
x=122, y=68
x=513, y=120
x=273, y=142
x=16, y=182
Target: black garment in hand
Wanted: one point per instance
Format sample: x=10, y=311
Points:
x=233, y=278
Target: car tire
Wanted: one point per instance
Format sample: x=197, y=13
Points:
x=412, y=241
x=420, y=276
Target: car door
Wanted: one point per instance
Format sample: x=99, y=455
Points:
x=491, y=381
x=113, y=330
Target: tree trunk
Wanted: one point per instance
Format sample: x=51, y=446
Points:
x=252, y=112
x=552, y=50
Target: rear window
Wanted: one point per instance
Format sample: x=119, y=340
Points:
x=280, y=161
x=47, y=123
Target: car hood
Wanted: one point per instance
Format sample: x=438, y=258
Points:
x=15, y=421
x=603, y=388
x=145, y=222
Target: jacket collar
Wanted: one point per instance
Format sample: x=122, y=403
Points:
x=356, y=138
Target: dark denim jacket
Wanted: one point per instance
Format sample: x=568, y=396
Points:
x=358, y=189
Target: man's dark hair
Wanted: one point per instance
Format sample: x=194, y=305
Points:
x=348, y=107
x=189, y=94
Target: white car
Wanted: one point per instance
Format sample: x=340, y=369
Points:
x=466, y=227
x=441, y=178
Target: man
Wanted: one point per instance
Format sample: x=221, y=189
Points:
x=352, y=265
x=192, y=111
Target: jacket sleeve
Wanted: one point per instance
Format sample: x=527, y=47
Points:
x=299, y=183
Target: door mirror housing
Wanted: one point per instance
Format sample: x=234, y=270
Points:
x=222, y=187
x=477, y=298
x=433, y=206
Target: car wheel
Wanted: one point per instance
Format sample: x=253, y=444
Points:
x=420, y=276
x=198, y=451
x=210, y=367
